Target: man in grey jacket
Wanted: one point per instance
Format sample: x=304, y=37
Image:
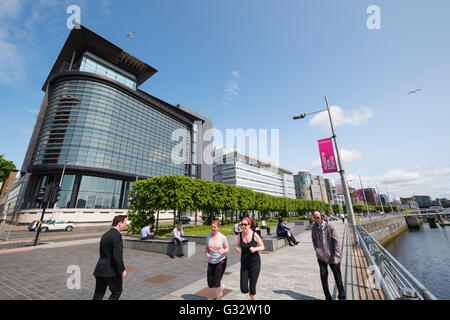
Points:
x=328, y=252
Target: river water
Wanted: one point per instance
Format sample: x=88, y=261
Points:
x=425, y=253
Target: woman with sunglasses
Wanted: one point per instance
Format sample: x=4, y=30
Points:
x=216, y=249
x=249, y=243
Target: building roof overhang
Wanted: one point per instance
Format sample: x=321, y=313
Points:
x=82, y=39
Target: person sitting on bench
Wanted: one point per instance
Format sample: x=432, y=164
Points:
x=146, y=233
x=284, y=231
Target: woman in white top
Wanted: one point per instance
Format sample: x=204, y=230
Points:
x=216, y=249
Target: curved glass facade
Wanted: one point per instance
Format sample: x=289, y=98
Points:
x=92, y=124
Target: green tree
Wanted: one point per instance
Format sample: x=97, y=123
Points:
x=5, y=168
x=336, y=208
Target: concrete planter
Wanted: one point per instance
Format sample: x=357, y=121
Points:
x=158, y=246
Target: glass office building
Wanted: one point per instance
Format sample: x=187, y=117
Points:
x=243, y=171
x=104, y=133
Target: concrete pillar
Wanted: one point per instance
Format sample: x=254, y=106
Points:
x=413, y=222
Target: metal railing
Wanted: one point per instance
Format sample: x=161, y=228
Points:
x=390, y=276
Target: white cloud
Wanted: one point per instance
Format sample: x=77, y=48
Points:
x=11, y=68
x=10, y=8
x=232, y=90
x=438, y=172
x=350, y=156
x=354, y=117
x=105, y=7
x=400, y=176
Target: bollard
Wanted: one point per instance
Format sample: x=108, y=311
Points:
x=408, y=294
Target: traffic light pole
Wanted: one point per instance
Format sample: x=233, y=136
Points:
x=44, y=205
x=59, y=188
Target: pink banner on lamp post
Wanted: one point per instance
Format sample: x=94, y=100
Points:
x=327, y=156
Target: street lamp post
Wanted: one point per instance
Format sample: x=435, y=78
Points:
x=341, y=167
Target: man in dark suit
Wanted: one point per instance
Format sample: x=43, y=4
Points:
x=110, y=268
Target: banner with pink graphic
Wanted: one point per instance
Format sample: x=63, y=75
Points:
x=327, y=156
x=360, y=195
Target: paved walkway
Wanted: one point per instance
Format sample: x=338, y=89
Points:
x=288, y=273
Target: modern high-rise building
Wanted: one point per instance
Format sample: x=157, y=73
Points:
x=354, y=196
x=302, y=182
x=97, y=125
x=243, y=171
x=384, y=199
x=423, y=201
x=371, y=196
x=310, y=187
x=329, y=190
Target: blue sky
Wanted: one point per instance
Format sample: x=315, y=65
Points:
x=253, y=64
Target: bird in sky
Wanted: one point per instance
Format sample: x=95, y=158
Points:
x=414, y=91
x=131, y=34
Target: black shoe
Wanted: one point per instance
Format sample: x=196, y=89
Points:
x=291, y=245
x=297, y=243
x=181, y=255
x=172, y=256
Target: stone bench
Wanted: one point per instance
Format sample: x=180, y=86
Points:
x=202, y=239
x=158, y=245
x=273, y=242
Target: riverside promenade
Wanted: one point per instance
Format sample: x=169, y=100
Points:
x=290, y=273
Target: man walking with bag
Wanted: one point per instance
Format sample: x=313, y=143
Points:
x=110, y=268
x=328, y=252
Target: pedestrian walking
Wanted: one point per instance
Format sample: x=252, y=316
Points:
x=264, y=226
x=328, y=252
x=110, y=268
x=216, y=249
x=342, y=217
x=255, y=228
x=177, y=240
x=249, y=243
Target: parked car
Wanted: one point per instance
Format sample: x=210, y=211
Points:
x=33, y=224
x=184, y=220
x=50, y=225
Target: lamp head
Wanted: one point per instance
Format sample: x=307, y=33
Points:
x=300, y=116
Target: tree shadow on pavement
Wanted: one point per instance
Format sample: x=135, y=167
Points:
x=295, y=295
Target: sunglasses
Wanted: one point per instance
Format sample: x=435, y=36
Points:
x=244, y=224
x=316, y=217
